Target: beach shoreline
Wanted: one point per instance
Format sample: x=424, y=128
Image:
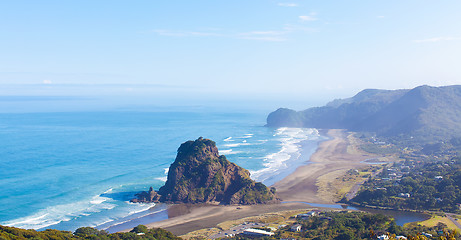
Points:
x=333, y=156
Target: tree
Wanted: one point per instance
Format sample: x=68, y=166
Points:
x=89, y=231
x=140, y=229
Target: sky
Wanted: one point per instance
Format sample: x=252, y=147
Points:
x=289, y=53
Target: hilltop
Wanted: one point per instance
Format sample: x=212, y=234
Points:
x=424, y=113
x=200, y=175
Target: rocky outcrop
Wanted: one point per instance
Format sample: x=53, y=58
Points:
x=146, y=197
x=200, y=175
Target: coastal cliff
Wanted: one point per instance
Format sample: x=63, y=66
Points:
x=200, y=175
x=424, y=113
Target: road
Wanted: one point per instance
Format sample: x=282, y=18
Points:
x=449, y=216
x=353, y=192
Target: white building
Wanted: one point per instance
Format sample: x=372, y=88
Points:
x=296, y=228
x=308, y=214
x=257, y=232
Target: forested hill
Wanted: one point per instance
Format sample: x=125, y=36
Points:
x=427, y=113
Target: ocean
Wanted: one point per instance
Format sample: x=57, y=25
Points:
x=69, y=170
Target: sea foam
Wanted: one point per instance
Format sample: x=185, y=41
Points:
x=228, y=152
x=290, y=148
x=60, y=213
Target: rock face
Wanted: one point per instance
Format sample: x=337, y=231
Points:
x=146, y=197
x=200, y=175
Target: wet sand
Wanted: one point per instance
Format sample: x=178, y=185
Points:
x=201, y=217
x=332, y=156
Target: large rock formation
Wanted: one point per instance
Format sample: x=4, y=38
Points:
x=200, y=175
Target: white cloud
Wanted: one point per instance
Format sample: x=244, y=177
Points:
x=266, y=38
x=288, y=4
x=298, y=28
x=47, y=82
x=307, y=18
x=171, y=33
x=271, y=36
x=437, y=39
x=310, y=17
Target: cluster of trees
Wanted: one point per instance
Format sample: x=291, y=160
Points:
x=140, y=232
x=355, y=226
x=431, y=185
x=343, y=225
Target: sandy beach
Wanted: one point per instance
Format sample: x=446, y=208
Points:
x=309, y=183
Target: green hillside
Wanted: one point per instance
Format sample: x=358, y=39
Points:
x=424, y=113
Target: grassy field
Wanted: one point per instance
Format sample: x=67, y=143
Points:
x=272, y=219
x=435, y=219
x=336, y=185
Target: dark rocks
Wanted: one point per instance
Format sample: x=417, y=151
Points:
x=146, y=197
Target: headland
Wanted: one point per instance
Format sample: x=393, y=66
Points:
x=307, y=184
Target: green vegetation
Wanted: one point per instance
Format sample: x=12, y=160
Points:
x=418, y=185
x=199, y=174
x=424, y=114
x=379, y=148
x=138, y=233
x=439, y=220
x=255, y=193
x=355, y=226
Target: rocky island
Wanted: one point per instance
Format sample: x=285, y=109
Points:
x=200, y=175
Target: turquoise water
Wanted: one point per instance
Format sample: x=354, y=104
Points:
x=67, y=170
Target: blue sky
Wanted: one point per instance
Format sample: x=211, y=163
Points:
x=288, y=51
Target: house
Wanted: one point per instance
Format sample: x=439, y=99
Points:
x=308, y=214
x=405, y=195
x=257, y=232
x=386, y=237
x=426, y=234
x=296, y=228
x=383, y=237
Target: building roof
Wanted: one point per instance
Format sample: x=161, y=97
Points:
x=252, y=231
